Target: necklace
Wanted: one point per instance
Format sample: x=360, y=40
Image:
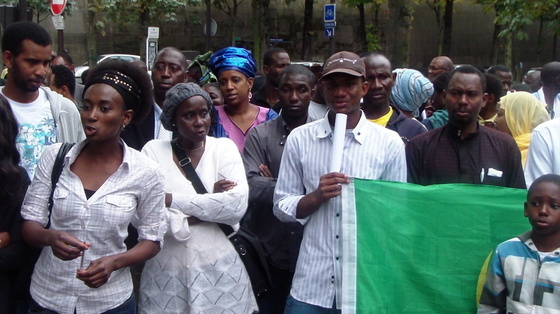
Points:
x=190, y=150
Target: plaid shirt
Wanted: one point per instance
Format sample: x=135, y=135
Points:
x=135, y=189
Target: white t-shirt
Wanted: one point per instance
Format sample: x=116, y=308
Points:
x=37, y=129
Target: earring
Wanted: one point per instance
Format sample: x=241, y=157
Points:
x=123, y=126
x=250, y=95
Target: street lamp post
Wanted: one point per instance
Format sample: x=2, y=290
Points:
x=23, y=10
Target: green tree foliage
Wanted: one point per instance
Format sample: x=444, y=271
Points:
x=121, y=12
x=369, y=32
x=42, y=8
x=229, y=7
x=516, y=15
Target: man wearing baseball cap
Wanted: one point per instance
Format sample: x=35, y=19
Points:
x=307, y=193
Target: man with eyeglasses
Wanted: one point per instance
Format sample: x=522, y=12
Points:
x=439, y=65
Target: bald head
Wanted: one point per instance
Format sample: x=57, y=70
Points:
x=174, y=52
x=169, y=69
x=439, y=65
x=549, y=73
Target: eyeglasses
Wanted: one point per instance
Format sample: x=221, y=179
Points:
x=433, y=68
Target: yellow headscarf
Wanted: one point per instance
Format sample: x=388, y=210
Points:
x=523, y=112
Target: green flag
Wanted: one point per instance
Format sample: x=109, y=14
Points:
x=421, y=249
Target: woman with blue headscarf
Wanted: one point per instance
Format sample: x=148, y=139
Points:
x=411, y=91
x=235, y=69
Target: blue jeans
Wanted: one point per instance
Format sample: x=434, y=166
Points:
x=128, y=307
x=294, y=306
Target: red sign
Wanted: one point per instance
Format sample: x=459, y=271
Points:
x=57, y=6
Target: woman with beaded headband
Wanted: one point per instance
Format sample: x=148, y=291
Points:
x=83, y=267
x=199, y=265
x=235, y=69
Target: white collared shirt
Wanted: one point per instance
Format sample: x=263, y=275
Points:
x=555, y=107
x=370, y=152
x=544, y=152
x=135, y=189
x=159, y=131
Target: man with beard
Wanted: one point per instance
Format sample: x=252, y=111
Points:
x=44, y=117
x=274, y=61
x=169, y=69
x=262, y=156
x=376, y=104
x=462, y=151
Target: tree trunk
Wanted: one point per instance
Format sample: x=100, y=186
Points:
x=91, y=38
x=208, y=25
x=144, y=22
x=400, y=15
x=495, y=44
x=438, y=12
x=508, y=46
x=554, y=44
x=261, y=26
x=361, y=33
x=307, y=41
x=233, y=17
x=540, y=42
x=256, y=33
x=447, y=27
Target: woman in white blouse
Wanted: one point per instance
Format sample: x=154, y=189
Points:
x=197, y=270
x=83, y=267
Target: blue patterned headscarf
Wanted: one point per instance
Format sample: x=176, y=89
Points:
x=233, y=58
x=411, y=90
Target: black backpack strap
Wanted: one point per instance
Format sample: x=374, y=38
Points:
x=55, y=175
x=190, y=173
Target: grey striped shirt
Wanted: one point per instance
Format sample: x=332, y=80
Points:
x=370, y=152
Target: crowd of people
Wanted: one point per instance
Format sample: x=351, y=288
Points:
x=135, y=219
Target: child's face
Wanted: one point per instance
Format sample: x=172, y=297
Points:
x=215, y=95
x=543, y=208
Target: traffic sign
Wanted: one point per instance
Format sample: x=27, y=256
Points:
x=330, y=24
x=330, y=12
x=57, y=6
x=58, y=22
x=329, y=32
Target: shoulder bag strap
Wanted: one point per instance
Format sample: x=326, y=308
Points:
x=190, y=173
x=55, y=175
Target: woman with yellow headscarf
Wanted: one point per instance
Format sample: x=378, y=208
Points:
x=518, y=115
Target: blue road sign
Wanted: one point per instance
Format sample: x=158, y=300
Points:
x=330, y=12
x=329, y=32
x=330, y=24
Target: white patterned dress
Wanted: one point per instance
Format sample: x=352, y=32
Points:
x=198, y=270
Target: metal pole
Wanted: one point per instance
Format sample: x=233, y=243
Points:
x=331, y=40
x=60, y=37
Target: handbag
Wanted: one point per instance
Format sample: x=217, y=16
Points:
x=24, y=276
x=246, y=243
